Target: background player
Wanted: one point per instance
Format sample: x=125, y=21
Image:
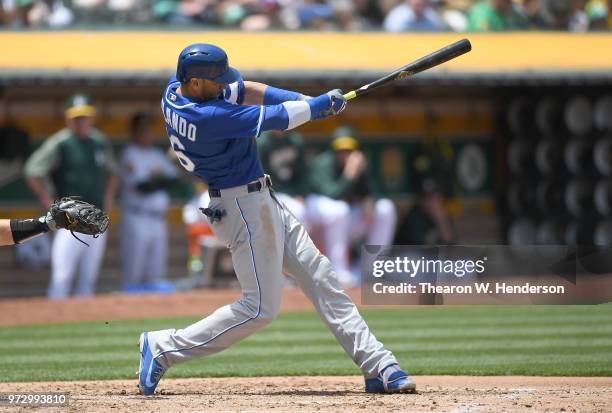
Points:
x=341, y=179
x=78, y=161
x=214, y=137
x=146, y=174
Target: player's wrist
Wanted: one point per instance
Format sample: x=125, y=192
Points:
x=48, y=222
x=24, y=229
x=318, y=106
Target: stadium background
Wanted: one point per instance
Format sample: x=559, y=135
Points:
x=526, y=117
x=528, y=129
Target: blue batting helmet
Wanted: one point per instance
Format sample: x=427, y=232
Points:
x=205, y=61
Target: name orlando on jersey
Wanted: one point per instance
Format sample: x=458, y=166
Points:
x=184, y=128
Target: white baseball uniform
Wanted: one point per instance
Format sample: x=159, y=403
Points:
x=144, y=236
x=265, y=240
x=339, y=223
x=82, y=260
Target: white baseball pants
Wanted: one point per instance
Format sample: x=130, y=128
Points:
x=144, y=248
x=341, y=223
x=70, y=257
x=264, y=239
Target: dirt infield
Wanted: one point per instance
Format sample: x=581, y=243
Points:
x=457, y=394
x=18, y=311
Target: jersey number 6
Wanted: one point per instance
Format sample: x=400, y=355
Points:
x=178, y=149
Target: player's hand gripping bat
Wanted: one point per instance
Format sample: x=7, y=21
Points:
x=427, y=62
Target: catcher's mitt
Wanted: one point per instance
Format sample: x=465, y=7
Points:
x=77, y=216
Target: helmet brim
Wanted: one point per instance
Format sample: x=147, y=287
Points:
x=232, y=75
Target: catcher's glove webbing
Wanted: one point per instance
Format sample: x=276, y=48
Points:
x=77, y=216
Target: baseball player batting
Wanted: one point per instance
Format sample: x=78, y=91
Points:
x=212, y=118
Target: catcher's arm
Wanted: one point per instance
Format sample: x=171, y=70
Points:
x=6, y=238
x=67, y=213
x=15, y=231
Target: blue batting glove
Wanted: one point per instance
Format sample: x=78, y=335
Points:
x=327, y=104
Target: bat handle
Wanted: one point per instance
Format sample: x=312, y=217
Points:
x=350, y=95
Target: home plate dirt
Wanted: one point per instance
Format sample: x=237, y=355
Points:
x=457, y=394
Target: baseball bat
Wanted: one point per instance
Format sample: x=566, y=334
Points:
x=426, y=62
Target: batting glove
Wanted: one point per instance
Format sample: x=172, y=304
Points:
x=337, y=101
x=327, y=104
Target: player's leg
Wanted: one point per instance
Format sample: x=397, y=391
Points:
x=157, y=263
x=359, y=226
x=253, y=230
x=66, y=252
x=134, y=251
x=383, y=225
x=332, y=217
x=89, y=267
x=379, y=230
x=316, y=277
x=296, y=207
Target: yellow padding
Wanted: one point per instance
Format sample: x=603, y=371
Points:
x=125, y=51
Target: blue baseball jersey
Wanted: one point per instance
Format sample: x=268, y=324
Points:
x=215, y=139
